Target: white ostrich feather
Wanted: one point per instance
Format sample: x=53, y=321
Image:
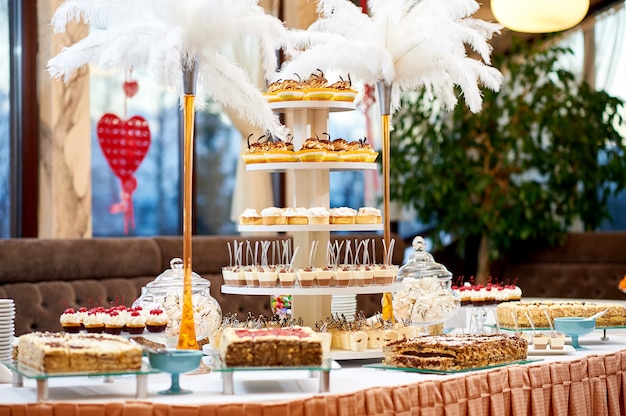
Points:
x=164, y=36
x=408, y=44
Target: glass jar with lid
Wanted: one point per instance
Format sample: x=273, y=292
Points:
x=426, y=296
x=166, y=293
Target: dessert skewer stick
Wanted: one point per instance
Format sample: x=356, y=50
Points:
x=312, y=252
x=293, y=258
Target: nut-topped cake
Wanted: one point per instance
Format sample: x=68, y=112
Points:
x=53, y=352
x=445, y=352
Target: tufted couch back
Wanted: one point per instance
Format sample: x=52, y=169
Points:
x=587, y=266
x=45, y=276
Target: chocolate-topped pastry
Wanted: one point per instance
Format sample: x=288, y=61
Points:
x=343, y=90
x=291, y=90
x=340, y=145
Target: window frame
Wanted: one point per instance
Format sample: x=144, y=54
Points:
x=24, y=119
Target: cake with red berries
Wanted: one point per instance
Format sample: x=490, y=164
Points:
x=271, y=347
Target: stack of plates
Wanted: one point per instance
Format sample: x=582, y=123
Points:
x=7, y=327
x=344, y=305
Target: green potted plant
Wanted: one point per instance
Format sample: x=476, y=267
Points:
x=543, y=153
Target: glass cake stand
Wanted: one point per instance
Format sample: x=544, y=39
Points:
x=322, y=371
x=20, y=371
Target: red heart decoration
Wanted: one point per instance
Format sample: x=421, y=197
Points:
x=130, y=88
x=124, y=143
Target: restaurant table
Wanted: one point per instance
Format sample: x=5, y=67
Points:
x=589, y=382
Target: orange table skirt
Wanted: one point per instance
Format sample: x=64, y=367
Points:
x=593, y=385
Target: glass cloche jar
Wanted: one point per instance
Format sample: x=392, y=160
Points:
x=166, y=293
x=426, y=296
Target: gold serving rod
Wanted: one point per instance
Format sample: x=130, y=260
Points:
x=387, y=306
x=187, y=336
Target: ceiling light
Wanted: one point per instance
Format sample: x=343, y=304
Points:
x=539, y=16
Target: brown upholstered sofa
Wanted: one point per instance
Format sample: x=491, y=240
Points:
x=45, y=276
x=588, y=265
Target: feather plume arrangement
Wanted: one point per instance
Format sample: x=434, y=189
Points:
x=166, y=36
x=407, y=44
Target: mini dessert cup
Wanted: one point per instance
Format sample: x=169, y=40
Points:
x=363, y=276
x=251, y=275
x=540, y=341
x=240, y=277
x=326, y=342
x=230, y=279
x=344, y=276
x=358, y=341
x=557, y=341
x=306, y=277
x=385, y=274
x=325, y=276
x=267, y=277
x=287, y=277
x=375, y=338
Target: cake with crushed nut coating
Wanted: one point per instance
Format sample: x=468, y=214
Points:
x=443, y=352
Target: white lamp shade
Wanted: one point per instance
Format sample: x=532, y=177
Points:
x=539, y=16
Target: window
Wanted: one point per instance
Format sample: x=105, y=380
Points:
x=157, y=200
x=5, y=116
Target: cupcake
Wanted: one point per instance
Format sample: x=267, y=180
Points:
x=316, y=88
x=272, y=91
x=157, y=320
x=290, y=90
x=368, y=215
x=342, y=215
x=273, y=216
x=94, y=321
x=255, y=153
x=113, y=323
x=70, y=321
x=318, y=215
x=311, y=151
x=135, y=323
x=343, y=90
x=279, y=151
x=296, y=216
x=250, y=216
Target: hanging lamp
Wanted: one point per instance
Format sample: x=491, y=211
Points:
x=539, y=16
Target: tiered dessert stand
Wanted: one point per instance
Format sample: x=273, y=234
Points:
x=308, y=185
